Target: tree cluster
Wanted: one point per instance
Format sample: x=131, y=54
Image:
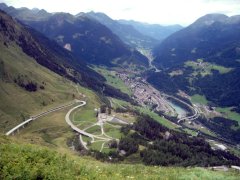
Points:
x=129, y=145
x=226, y=128
x=28, y=85
x=178, y=149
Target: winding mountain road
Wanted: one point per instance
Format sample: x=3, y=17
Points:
x=75, y=128
x=194, y=108
x=22, y=125
x=192, y=117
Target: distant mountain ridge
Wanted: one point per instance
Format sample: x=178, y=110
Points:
x=126, y=32
x=84, y=37
x=203, y=58
x=49, y=54
x=214, y=37
x=25, y=13
x=155, y=31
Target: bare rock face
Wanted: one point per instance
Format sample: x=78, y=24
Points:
x=68, y=47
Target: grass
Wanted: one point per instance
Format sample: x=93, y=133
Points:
x=191, y=132
x=133, y=159
x=106, y=149
x=176, y=73
x=221, y=69
x=196, y=98
x=51, y=131
x=20, y=160
x=113, y=80
x=24, y=161
x=112, y=131
x=86, y=139
x=234, y=151
x=229, y=114
x=120, y=103
x=158, y=118
x=207, y=131
x=17, y=104
x=205, y=68
x=161, y=120
x=84, y=124
x=128, y=117
x=96, y=130
x=84, y=114
x=96, y=145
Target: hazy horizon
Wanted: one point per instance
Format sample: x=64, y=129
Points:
x=183, y=12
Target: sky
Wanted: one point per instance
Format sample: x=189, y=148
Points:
x=164, y=12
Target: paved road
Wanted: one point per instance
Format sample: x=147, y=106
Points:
x=194, y=108
x=192, y=117
x=82, y=142
x=22, y=125
x=75, y=128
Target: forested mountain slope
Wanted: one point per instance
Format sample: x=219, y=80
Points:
x=202, y=58
x=35, y=73
x=126, y=32
x=86, y=38
x=214, y=37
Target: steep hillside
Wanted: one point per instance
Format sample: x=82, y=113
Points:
x=128, y=34
x=86, y=38
x=203, y=59
x=46, y=52
x=214, y=37
x=26, y=161
x=29, y=85
x=155, y=31
x=49, y=54
x=27, y=88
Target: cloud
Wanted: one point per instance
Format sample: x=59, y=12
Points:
x=127, y=9
x=152, y=11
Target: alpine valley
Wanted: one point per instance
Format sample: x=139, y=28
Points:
x=88, y=97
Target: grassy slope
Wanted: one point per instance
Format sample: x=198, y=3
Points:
x=25, y=161
x=196, y=98
x=226, y=112
x=113, y=131
x=52, y=131
x=113, y=80
x=206, y=68
x=229, y=114
x=17, y=104
x=87, y=113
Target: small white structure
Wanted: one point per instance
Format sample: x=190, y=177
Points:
x=221, y=146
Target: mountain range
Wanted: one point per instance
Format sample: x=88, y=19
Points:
x=49, y=54
x=109, y=41
x=84, y=37
x=214, y=37
x=155, y=31
x=94, y=63
x=128, y=34
x=206, y=56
